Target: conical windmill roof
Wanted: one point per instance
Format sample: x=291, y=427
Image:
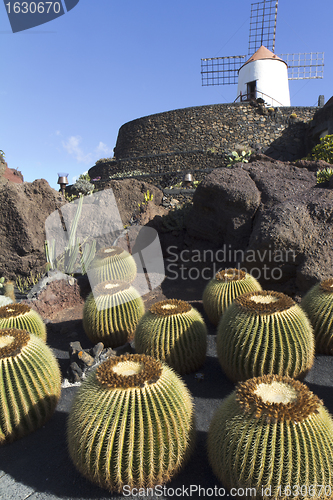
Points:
x=263, y=53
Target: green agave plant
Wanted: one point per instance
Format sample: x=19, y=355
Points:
x=111, y=313
x=30, y=383
x=265, y=333
x=274, y=435
x=223, y=289
x=318, y=305
x=173, y=331
x=112, y=264
x=131, y=424
x=22, y=317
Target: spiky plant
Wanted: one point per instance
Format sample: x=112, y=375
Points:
x=112, y=264
x=29, y=383
x=273, y=434
x=265, y=333
x=223, y=289
x=22, y=317
x=173, y=331
x=318, y=305
x=131, y=423
x=111, y=313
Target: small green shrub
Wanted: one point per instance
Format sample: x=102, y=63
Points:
x=147, y=197
x=237, y=158
x=24, y=284
x=323, y=150
x=324, y=175
x=83, y=184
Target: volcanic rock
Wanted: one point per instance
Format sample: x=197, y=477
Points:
x=24, y=209
x=273, y=216
x=224, y=205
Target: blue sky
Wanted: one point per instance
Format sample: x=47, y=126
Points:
x=67, y=86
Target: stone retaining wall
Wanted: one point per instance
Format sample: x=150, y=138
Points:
x=202, y=138
x=220, y=126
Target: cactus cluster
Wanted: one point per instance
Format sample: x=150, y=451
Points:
x=221, y=291
x=273, y=434
x=111, y=313
x=112, y=264
x=173, y=331
x=30, y=383
x=318, y=305
x=131, y=424
x=22, y=317
x=265, y=333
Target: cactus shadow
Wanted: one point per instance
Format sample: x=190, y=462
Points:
x=40, y=463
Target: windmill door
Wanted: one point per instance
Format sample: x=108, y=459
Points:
x=251, y=90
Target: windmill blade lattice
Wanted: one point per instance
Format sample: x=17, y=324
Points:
x=304, y=66
x=221, y=70
x=263, y=25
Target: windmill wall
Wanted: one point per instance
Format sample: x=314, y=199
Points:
x=201, y=138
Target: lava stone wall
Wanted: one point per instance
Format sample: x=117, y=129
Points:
x=202, y=138
x=220, y=126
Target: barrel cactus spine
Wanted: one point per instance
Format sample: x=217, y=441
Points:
x=318, y=305
x=111, y=313
x=265, y=333
x=22, y=317
x=223, y=289
x=131, y=423
x=30, y=383
x=112, y=264
x=175, y=332
x=273, y=434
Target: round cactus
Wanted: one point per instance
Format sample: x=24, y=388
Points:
x=173, y=331
x=30, y=383
x=274, y=435
x=22, y=317
x=224, y=288
x=318, y=305
x=131, y=423
x=111, y=313
x=112, y=264
x=265, y=333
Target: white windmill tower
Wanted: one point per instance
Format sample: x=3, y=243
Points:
x=264, y=75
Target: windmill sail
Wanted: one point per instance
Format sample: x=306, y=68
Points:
x=221, y=70
x=304, y=66
x=263, y=25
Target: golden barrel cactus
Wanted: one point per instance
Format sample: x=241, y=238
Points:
x=221, y=291
x=22, y=317
x=318, y=305
x=111, y=313
x=175, y=332
x=273, y=435
x=30, y=383
x=112, y=264
x=131, y=424
x=264, y=333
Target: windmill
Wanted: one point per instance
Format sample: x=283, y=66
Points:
x=264, y=74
